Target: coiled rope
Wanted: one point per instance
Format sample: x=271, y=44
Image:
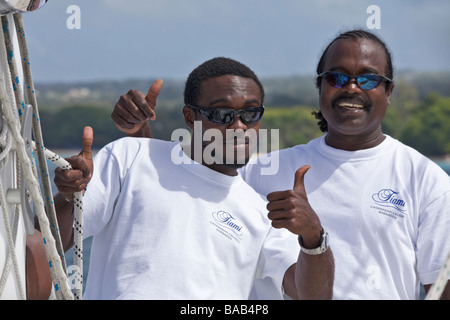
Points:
x=12, y=101
x=5, y=144
x=37, y=133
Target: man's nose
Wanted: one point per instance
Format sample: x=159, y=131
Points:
x=352, y=86
x=238, y=123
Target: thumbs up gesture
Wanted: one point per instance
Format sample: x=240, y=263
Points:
x=70, y=181
x=290, y=209
x=134, y=109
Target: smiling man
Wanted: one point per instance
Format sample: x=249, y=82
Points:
x=354, y=106
x=385, y=205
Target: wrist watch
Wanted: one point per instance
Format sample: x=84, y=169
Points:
x=320, y=249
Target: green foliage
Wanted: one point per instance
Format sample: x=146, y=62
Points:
x=428, y=129
x=64, y=129
x=403, y=101
x=415, y=116
x=296, y=124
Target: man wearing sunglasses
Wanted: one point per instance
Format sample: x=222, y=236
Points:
x=192, y=230
x=385, y=205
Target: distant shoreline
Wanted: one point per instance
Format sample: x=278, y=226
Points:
x=69, y=152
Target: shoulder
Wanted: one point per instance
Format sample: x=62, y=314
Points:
x=271, y=163
x=415, y=160
x=421, y=171
x=134, y=145
x=275, y=170
x=129, y=149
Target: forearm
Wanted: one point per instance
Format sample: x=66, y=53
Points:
x=314, y=276
x=64, y=212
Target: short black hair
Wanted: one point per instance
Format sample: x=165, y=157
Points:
x=213, y=68
x=353, y=35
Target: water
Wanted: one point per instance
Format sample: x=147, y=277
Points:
x=444, y=165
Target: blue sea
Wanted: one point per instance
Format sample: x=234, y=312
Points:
x=87, y=242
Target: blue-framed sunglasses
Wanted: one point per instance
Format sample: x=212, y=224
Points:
x=364, y=81
x=227, y=115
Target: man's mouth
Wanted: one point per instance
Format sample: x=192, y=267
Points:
x=350, y=105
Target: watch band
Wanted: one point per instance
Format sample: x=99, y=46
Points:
x=320, y=249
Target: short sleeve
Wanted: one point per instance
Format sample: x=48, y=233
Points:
x=280, y=251
x=101, y=193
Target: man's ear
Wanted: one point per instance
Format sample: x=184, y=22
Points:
x=389, y=92
x=189, y=117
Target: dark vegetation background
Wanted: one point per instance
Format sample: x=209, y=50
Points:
x=419, y=114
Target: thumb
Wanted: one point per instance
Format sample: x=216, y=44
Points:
x=88, y=139
x=152, y=94
x=299, y=180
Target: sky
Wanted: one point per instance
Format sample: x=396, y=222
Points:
x=141, y=39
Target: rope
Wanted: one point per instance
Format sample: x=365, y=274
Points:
x=37, y=133
x=5, y=143
x=438, y=286
x=78, y=224
x=7, y=97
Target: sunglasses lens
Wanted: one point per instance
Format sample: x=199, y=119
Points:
x=219, y=115
x=226, y=115
x=252, y=114
x=368, y=81
x=337, y=80
x=364, y=81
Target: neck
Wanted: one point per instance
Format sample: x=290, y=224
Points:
x=228, y=170
x=354, y=142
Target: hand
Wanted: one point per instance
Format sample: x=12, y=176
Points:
x=290, y=209
x=134, y=109
x=70, y=181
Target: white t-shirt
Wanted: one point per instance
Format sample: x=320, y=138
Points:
x=174, y=231
x=387, y=211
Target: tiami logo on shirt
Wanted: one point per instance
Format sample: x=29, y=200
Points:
x=389, y=198
x=225, y=221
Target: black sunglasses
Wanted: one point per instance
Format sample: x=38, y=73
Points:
x=364, y=81
x=227, y=115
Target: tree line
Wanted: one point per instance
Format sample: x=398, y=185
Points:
x=418, y=115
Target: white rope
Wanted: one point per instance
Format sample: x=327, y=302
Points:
x=11, y=118
x=37, y=133
x=78, y=224
x=439, y=285
x=11, y=259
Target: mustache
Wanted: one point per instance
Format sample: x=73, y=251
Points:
x=353, y=98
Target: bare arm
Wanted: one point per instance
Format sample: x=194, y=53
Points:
x=64, y=211
x=312, y=276
x=133, y=111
